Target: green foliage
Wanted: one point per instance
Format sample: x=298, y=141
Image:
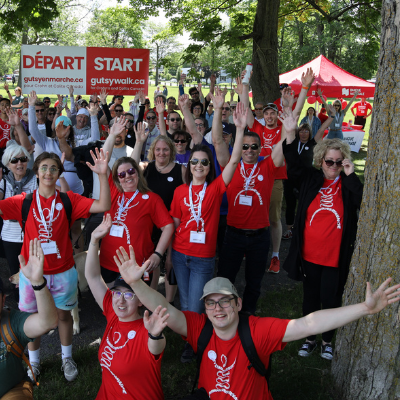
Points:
x=114, y=27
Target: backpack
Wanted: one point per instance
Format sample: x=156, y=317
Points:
x=11, y=341
x=26, y=206
x=247, y=344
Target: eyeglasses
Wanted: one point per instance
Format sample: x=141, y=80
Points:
x=118, y=110
x=330, y=163
x=46, y=101
x=180, y=141
x=53, y=170
x=194, y=94
x=199, y=125
x=175, y=119
x=40, y=110
x=226, y=108
x=149, y=118
x=197, y=108
x=223, y=303
x=126, y=295
x=15, y=160
x=51, y=113
x=129, y=121
x=130, y=171
x=253, y=146
x=210, y=105
x=233, y=107
x=259, y=109
x=205, y=161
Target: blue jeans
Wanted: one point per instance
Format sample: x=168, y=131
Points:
x=335, y=135
x=255, y=248
x=192, y=273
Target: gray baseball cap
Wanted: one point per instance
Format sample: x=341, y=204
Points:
x=219, y=285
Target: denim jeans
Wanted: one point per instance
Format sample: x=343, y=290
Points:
x=335, y=135
x=255, y=248
x=192, y=273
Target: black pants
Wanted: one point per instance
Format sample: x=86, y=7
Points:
x=12, y=251
x=320, y=290
x=291, y=200
x=360, y=121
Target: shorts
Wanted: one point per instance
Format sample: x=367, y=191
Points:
x=63, y=287
x=275, y=207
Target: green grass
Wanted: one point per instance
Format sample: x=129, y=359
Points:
x=293, y=377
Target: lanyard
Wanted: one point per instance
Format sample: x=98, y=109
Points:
x=325, y=188
x=201, y=197
x=247, y=180
x=123, y=207
x=39, y=206
x=299, y=150
x=337, y=116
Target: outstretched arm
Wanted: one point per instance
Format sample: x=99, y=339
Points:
x=141, y=137
x=319, y=135
x=322, y=99
x=62, y=132
x=326, y=320
x=189, y=121
x=132, y=273
x=351, y=101
x=155, y=325
x=307, y=78
x=160, y=107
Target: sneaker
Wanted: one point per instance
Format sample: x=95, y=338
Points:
x=327, y=351
x=188, y=354
x=36, y=371
x=287, y=235
x=275, y=265
x=307, y=348
x=70, y=369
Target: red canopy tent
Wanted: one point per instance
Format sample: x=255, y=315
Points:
x=331, y=79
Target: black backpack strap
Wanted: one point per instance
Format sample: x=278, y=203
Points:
x=250, y=349
x=202, y=342
x=26, y=206
x=67, y=205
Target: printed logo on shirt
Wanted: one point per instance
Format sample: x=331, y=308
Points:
x=257, y=175
x=326, y=203
x=123, y=218
x=196, y=200
x=269, y=139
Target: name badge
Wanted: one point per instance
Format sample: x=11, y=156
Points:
x=197, y=237
x=117, y=231
x=337, y=125
x=245, y=200
x=49, y=247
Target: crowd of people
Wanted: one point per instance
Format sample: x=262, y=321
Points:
x=172, y=189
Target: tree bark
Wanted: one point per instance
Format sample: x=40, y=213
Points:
x=367, y=361
x=265, y=79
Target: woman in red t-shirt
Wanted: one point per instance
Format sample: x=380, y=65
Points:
x=132, y=346
x=325, y=228
x=195, y=209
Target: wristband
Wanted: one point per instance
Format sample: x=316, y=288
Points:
x=158, y=254
x=305, y=87
x=159, y=337
x=40, y=287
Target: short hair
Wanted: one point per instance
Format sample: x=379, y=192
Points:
x=51, y=156
x=171, y=98
x=131, y=115
x=39, y=103
x=330, y=144
x=302, y=127
x=168, y=142
x=173, y=112
x=5, y=99
x=164, y=99
x=193, y=89
x=205, y=122
x=181, y=133
x=150, y=110
x=253, y=135
x=258, y=102
x=193, y=105
x=211, y=174
x=142, y=183
x=12, y=150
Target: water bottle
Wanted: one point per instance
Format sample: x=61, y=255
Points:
x=246, y=78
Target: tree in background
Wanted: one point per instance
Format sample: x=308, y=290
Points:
x=367, y=361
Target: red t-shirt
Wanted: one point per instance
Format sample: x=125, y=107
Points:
x=180, y=208
x=128, y=367
x=323, y=117
x=5, y=130
x=63, y=260
x=362, y=108
x=224, y=371
x=269, y=139
x=158, y=120
x=255, y=216
x=278, y=103
x=145, y=211
x=324, y=226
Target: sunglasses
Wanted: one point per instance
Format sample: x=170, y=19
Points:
x=330, y=163
x=15, y=160
x=197, y=108
x=259, y=109
x=129, y=121
x=226, y=108
x=175, y=119
x=51, y=113
x=118, y=110
x=149, y=118
x=205, y=161
x=233, y=107
x=210, y=105
x=41, y=110
x=194, y=93
x=130, y=171
x=46, y=101
x=180, y=140
x=253, y=146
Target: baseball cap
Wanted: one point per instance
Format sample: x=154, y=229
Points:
x=226, y=129
x=25, y=111
x=66, y=120
x=81, y=101
x=46, y=98
x=271, y=106
x=219, y=285
x=83, y=111
x=120, y=282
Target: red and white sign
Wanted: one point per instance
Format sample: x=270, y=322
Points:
x=52, y=69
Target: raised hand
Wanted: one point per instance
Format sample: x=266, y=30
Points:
x=71, y=90
x=160, y=107
x=62, y=131
x=218, y=99
x=332, y=110
x=213, y=79
x=357, y=92
x=288, y=121
x=127, y=265
x=239, y=86
x=32, y=98
x=13, y=118
x=103, y=229
x=34, y=269
x=288, y=97
x=307, y=78
x=348, y=166
x=142, y=97
x=155, y=323
x=183, y=101
x=140, y=132
x=103, y=96
x=6, y=87
x=119, y=126
x=93, y=109
x=224, y=91
x=384, y=295
x=240, y=116
x=100, y=162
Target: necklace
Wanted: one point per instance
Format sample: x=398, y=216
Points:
x=162, y=168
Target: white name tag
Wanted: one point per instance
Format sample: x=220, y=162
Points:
x=245, y=200
x=117, y=231
x=49, y=247
x=337, y=125
x=197, y=237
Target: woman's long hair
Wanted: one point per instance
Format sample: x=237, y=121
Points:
x=142, y=183
x=211, y=174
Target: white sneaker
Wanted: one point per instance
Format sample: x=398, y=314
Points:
x=36, y=371
x=70, y=369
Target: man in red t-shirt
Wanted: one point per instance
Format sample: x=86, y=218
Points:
x=224, y=368
x=363, y=111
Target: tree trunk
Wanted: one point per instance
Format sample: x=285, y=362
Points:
x=24, y=40
x=320, y=35
x=265, y=79
x=367, y=361
x=157, y=61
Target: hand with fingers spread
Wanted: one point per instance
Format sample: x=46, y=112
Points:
x=142, y=97
x=100, y=162
x=287, y=97
x=128, y=267
x=348, y=166
x=141, y=133
x=34, y=269
x=240, y=116
x=288, y=120
x=307, y=78
x=160, y=107
x=102, y=230
x=62, y=131
x=384, y=295
x=331, y=109
x=13, y=118
x=32, y=98
x=93, y=109
x=183, y=101
x=218, y=99
x=319, y=91
x=157, y=322
x=103, y=96
x=239, y=86
x=119, y=126
x=71, y=90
